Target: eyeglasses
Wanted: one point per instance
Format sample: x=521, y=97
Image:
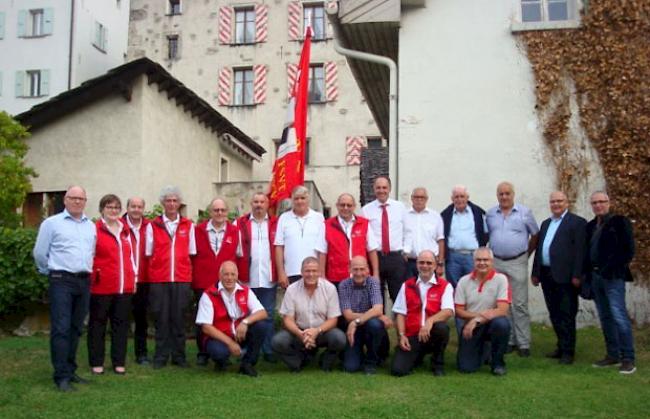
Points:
x=345, y=205
x=76, y=198
x=113, y=207
x=598, y=202
x=425, y=262
x=219, y=210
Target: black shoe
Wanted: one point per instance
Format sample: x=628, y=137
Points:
x=370, y=370
x=327, y=361
x=608, y=361
x=159, y=364
x=499, y=371
x=270, y=358
x=247, y=369
x=142, y=360
x=511, y=349
x=566, y=359
x=524, y=352
x=627, y=367
x=201, y=360
x=181, y=363
x=220, y=366
x=65, y=386
x=556, y=354
x=438, y=371
x=78, y=380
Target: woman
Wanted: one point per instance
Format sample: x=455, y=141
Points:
x=112, y=286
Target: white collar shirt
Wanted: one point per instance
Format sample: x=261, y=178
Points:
x=396, y=214
x=423, y=230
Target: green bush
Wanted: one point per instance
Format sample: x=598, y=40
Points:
x=20, y=283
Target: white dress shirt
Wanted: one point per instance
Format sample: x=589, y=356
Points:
x=447, y=302
x=299, y=236
x=396, y=214
x=422, y=231
x=205, y=313
x=260, y=268
x=171, y=229
x=371, y=244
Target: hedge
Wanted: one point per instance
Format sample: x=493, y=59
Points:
x=20, y=283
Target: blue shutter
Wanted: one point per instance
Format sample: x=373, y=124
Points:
x=22, y=23
x=20, y=83
x=45, y=82
x=48, y=21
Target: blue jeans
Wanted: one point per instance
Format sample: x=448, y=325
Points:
x=369, y=335
x=458, y=265
x=609, y=296
x=470, y=351
x=267, y=299
x=69, y=298
x=220, y=353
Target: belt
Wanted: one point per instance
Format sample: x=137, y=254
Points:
x=82, y=275
x=511, y=257
x=463, y=251
x=399, y=252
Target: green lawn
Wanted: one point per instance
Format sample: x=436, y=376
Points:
x=534, y=387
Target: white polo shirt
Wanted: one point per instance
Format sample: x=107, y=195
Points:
x=299, y=236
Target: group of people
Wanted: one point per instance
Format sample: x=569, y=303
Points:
x=335, y=272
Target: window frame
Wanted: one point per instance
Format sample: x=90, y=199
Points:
x=174, y=7
x=310, y=9
x=313, y=79
x=33, y=79
x=573, y=16
x=244, y=71
x=100, y=39
x=173, y=39
x=247, y=11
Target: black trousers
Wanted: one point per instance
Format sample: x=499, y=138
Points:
x=392, y=272
x=198, y=333
x=562, y=304
x=116, y=308
x=140, y=305
x=404, y=362
x=168, y=303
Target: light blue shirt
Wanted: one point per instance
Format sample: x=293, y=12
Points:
x=509, y=235
x=462, y=235
x=65, y=244
x=548, y=239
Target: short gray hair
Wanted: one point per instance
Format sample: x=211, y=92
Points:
x=299, y=190
x=170, y=190
x=483, y=249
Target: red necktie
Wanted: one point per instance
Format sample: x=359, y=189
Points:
x=385, y=236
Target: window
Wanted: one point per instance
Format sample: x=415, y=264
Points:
x=101, y=34
x=174, y=7
x=375, y=142
x=243, y=87
x=40, y=205
x=32, y=83
x=316, y=83
x=547, y=14
x=35, y=22
x=172, y=47
x=315, y=14
x=244, y=26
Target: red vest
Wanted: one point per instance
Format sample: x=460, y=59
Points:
x=413, y=319
x=206, y=264
x=112, y=267
x=139, y=251
x=170, y=252
x=221, y=320
x=338, y=246
x=245, y=224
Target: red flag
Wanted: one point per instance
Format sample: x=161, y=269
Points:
x=289, y=166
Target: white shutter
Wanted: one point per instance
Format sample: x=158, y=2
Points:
x=22, y=23
x=105, y=39
x=45, y=82
x=48, y=21
x=20, y=83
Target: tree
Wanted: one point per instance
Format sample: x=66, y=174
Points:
x=14, y=174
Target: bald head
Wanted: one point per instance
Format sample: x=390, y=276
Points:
x=218, y=212
x=558, y=202
x=359, y=269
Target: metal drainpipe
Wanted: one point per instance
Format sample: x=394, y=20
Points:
x=70, y=46
x=393, y=161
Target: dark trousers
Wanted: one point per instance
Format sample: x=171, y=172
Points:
x=368, y=335
x=140, y=304
x=562, y=304
x=292, y=352
x=198, y=332
x=470, y=351
x=219, y=352
x=113, y=307
x=267, y=297
x=392, y=272
x=69, y=296
x=405, y=361
x=168, y=304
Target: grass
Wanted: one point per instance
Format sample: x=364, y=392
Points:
x=534, y=387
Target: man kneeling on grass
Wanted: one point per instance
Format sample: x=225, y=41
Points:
x=230, y=318
x=482, y=301
x=310, y=311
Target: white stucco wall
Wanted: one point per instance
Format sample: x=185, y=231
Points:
x=201, y=57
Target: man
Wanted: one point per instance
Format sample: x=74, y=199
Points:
x=310, y=311
x=386, y=217
x=257, y=265
x=169, y=244
x=465, y=231
x=482, y=301
x=513, y=237
x=423, y=231
x=64, y=252
x=363, y=308
x=217, y=241
x=558, y=265
x=231, y=318
x=298, y=233
x=422, y=308
x=134, y=218
x=346, y=236
x=610, y=249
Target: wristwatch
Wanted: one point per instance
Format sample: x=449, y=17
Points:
x=357, y=321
